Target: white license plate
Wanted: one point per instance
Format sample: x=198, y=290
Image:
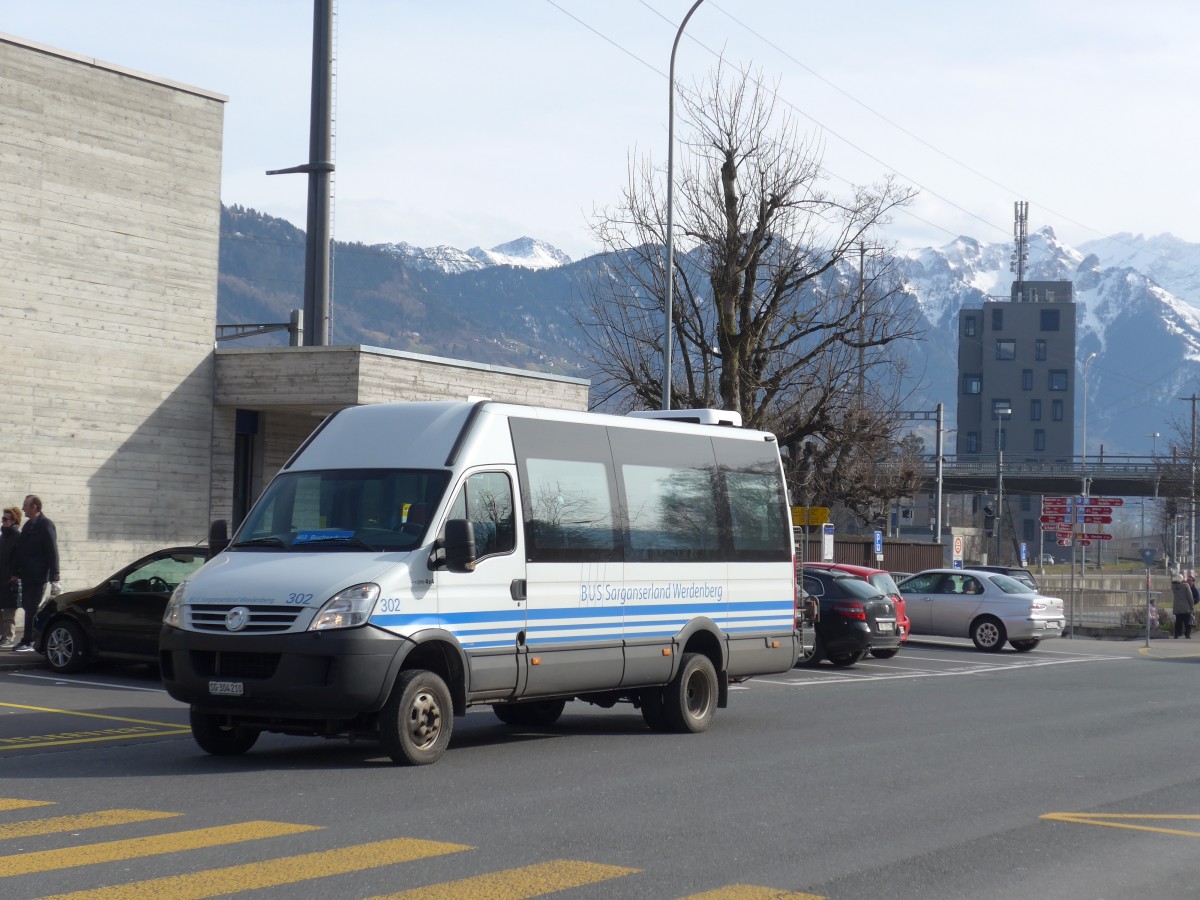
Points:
x=886, y=626
x=226, y=688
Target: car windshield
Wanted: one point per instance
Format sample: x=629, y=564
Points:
x=1010, y=585
x=380, y=510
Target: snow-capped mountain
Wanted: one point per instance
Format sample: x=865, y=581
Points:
x=1138, y=309
x=524, y=252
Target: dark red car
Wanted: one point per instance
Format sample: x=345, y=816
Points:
x=883, y=581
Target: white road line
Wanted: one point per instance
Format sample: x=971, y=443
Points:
x=104, y=684
x=981, y=670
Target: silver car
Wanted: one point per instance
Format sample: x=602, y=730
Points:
x=987, y=607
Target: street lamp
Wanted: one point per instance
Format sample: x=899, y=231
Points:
x=666, y=392
x=1154, y=436
x=1000, y=414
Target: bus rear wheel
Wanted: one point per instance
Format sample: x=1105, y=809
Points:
x=690, y=700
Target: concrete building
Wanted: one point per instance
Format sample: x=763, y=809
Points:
x=116, y=408
x=1016, y=388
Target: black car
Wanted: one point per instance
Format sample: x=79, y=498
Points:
x=119, y=618
x=849, y=619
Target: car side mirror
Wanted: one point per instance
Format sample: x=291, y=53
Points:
x=115, y=585
x=218, y=537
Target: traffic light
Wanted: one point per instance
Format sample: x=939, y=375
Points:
x=989, y=519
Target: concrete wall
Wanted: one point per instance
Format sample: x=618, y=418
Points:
x=109, y=218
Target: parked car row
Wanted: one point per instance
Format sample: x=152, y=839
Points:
x=849, y=611
x=846, y=611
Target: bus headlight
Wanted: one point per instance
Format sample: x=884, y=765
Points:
x=346, y=609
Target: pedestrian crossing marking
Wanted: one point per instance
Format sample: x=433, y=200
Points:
x=753, y=892
x=516, y=884
x=100, y=819
x=134, y=848
x=272, y=872
x=8, y=803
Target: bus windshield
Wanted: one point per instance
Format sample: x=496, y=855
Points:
x=382, y=510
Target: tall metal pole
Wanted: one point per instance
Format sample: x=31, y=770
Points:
x=1083, y=550
x=1000, y=486
x=319, y=169
x=937, y=516
x=667, y=317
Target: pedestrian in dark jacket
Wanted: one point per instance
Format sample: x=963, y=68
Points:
x=10, y=585
x=1181, y=605
x=37, y=563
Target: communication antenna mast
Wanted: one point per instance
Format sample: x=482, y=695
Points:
x=1020, y=252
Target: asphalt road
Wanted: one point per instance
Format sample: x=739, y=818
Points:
x=1067, y=772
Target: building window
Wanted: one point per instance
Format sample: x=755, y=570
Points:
x=1039, y=348
x=1039, y=439
x=997, y=320
x=1006, y=348
x=972, y=384
x=972, y=444
x=969, y=326
x=1001, y=407
x=1026, y=503
x=1035, y=410
x=1030, y=533
x=1056, y=410
x=1058, y=379
x=1027, y=379
x=1050, y=319
x=1050, y=299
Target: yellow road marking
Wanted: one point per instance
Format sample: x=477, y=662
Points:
x=80, y=822
x=1115, y=820
x=272, y=872
x=516, y=884
x=1145, y=651
x=134, y=848
x=7, y=803
x=87, y=737
x=752, y=892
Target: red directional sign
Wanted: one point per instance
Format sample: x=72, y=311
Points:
x=1056, y=502
x=1055, y=518
x=1101, y=501
x=1063, y=536
x=1095, y=536
x=1084, y=543
x=1063, y=542
x=1095, y=520
x=1054, y=526
x=1095, y=511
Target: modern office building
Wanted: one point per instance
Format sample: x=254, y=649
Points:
x=1016, y=389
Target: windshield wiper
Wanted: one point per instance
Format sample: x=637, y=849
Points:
x=339, y=540
x=260, y=542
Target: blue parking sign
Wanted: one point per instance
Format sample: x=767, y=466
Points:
x=878, y=542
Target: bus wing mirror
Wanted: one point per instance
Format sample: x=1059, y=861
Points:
x=458, y=545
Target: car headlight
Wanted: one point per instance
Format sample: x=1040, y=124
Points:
x=346, y=609
x=173, y=614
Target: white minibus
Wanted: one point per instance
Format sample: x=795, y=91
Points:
x=412, y=560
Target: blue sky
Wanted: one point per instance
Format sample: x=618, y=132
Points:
x=475, y=122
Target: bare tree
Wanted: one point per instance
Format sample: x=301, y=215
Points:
x=772, y=317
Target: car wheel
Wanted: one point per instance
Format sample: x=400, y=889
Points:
x=690, y=700
x=846, y=660
x=66, y=647
x=652, y=710
x=220, y=735
x=417, y=720
x=988, y=634
x=885, y=654
x=537, y=714
x=1025, y=646
x=811, y=656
